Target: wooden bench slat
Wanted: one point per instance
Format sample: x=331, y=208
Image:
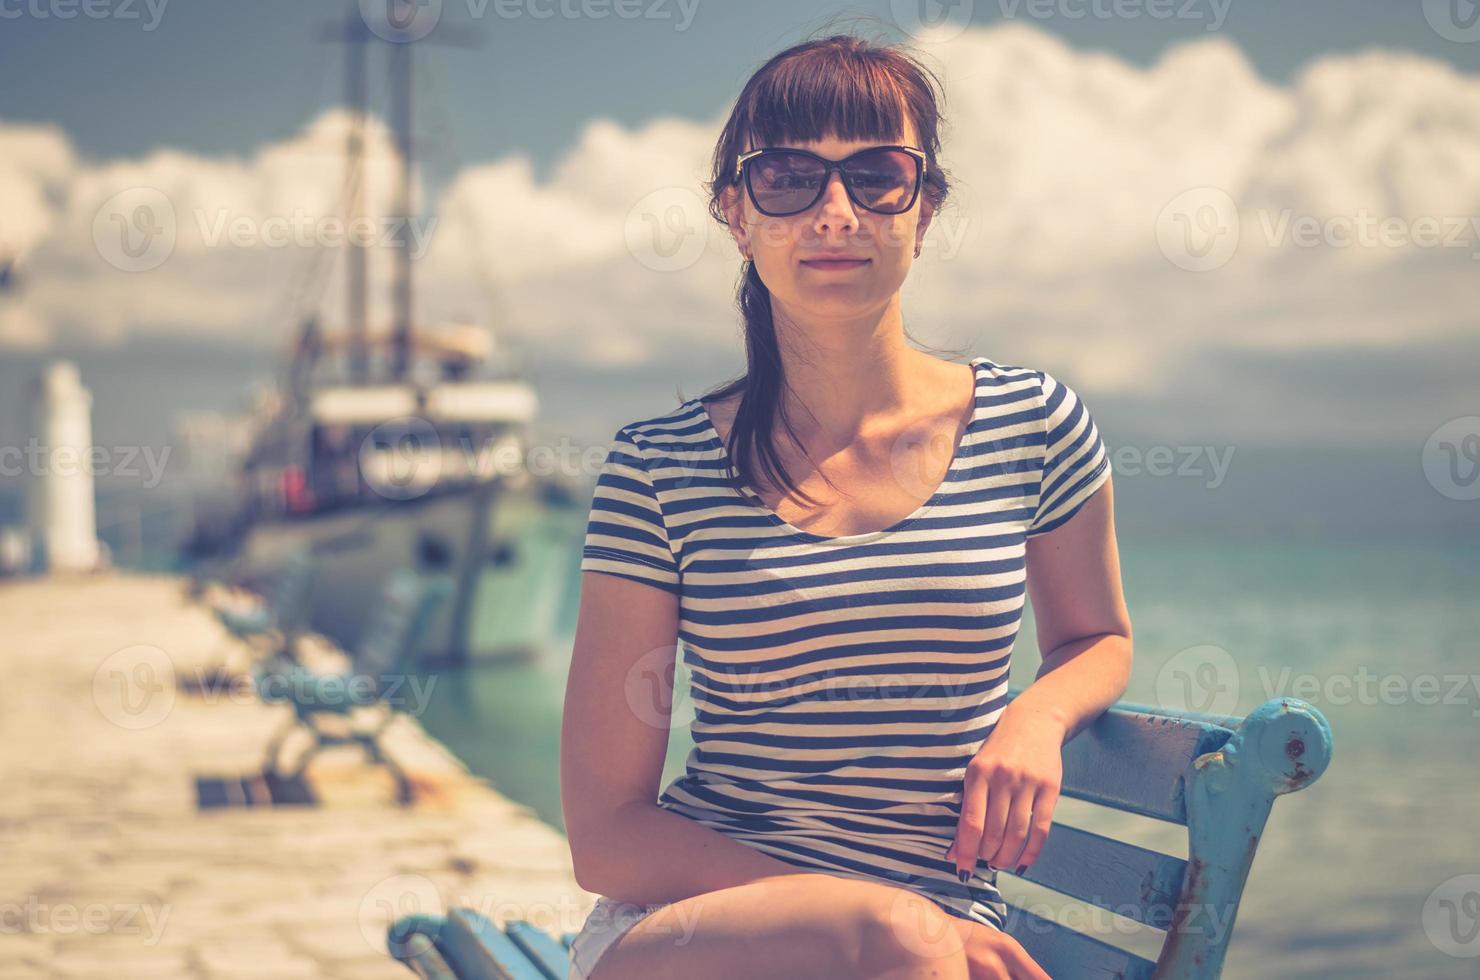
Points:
x=1064, y=953
x=541, y=948
x=1123, y=878
x=1135, y=762
x=477, y=948
x=419, y=952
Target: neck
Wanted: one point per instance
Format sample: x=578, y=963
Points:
x=847, y=375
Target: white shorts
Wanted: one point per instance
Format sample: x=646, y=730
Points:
x=608, y=920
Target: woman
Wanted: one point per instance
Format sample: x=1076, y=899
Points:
x=847, y=597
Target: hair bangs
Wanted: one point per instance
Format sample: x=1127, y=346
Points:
x=826, y=92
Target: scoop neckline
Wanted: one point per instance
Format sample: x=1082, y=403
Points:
x=957, y=462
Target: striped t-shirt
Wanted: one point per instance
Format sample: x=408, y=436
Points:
x=841, y=684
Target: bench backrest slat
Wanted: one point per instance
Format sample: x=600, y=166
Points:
x=540, y=947
x=474, y=943
x=1135, y=762
x=1062, y=952
x=1123, y=878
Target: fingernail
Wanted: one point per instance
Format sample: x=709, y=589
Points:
x=1021, y=868
x=963, y=874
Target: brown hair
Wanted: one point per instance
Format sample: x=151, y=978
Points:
x=839, y=85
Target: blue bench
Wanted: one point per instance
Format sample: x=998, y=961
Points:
x=398, y=618
x=273, y=623
x=1216, y=775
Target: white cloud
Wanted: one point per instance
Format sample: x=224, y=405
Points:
x=1065, y=163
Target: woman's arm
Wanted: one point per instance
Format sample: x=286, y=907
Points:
x=614, y=738
x=1084, y=632
x=1084, y=629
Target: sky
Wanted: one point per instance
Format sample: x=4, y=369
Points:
x=1219, y=221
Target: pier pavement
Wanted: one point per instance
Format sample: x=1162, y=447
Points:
x=112, y=868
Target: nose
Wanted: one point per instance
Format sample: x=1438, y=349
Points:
x=835, y=210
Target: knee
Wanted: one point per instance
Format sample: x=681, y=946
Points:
x=897, y=932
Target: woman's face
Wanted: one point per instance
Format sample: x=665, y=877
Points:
x=782, y=247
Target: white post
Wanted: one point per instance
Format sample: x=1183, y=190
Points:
x=60, y=496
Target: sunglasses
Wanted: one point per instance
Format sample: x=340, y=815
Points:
x=783, y=181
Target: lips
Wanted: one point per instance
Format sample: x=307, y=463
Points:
x=835, y=263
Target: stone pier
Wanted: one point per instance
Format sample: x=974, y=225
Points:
x=109, y=866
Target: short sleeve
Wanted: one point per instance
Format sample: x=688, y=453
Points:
x=1075, y=463
x=626, y=534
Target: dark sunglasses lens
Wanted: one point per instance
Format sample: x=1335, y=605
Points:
x=784, y=183
x=884, y=180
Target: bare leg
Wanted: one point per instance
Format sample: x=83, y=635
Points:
x=802, y=926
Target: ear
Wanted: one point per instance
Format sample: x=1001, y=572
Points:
x=732, y=202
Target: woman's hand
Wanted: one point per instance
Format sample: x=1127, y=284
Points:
x=1008, y=796
x=994, y=955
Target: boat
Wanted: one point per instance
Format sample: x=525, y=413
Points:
x=376, y=439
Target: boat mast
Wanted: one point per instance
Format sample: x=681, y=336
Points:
x=401, y=122
x=355, y=37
